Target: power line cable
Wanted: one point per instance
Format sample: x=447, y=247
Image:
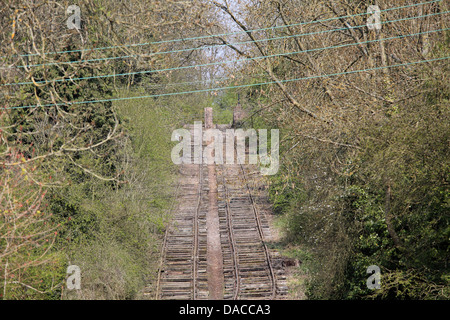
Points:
x=157, y=85
x=221, y=62
x=232, y=87
x=219, y=45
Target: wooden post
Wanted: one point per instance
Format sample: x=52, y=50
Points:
x=237, y=115
x=208, y=118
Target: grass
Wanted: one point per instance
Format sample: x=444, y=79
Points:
x=122, y=260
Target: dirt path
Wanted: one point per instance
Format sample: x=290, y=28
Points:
x=214, y=249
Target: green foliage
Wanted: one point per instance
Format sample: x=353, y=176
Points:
x=120, y=248
x=339, y=219
x=114, y=232
x=223, y=107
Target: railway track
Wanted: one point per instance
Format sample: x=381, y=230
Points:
x=183, y=271
x=250, y=269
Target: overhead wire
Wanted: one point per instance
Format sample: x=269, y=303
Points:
x=216, y=45
x=220, y=62
x=235, y=61
x=233, y=87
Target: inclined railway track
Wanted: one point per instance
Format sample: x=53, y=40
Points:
x=250, y=269
x=183, y=271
